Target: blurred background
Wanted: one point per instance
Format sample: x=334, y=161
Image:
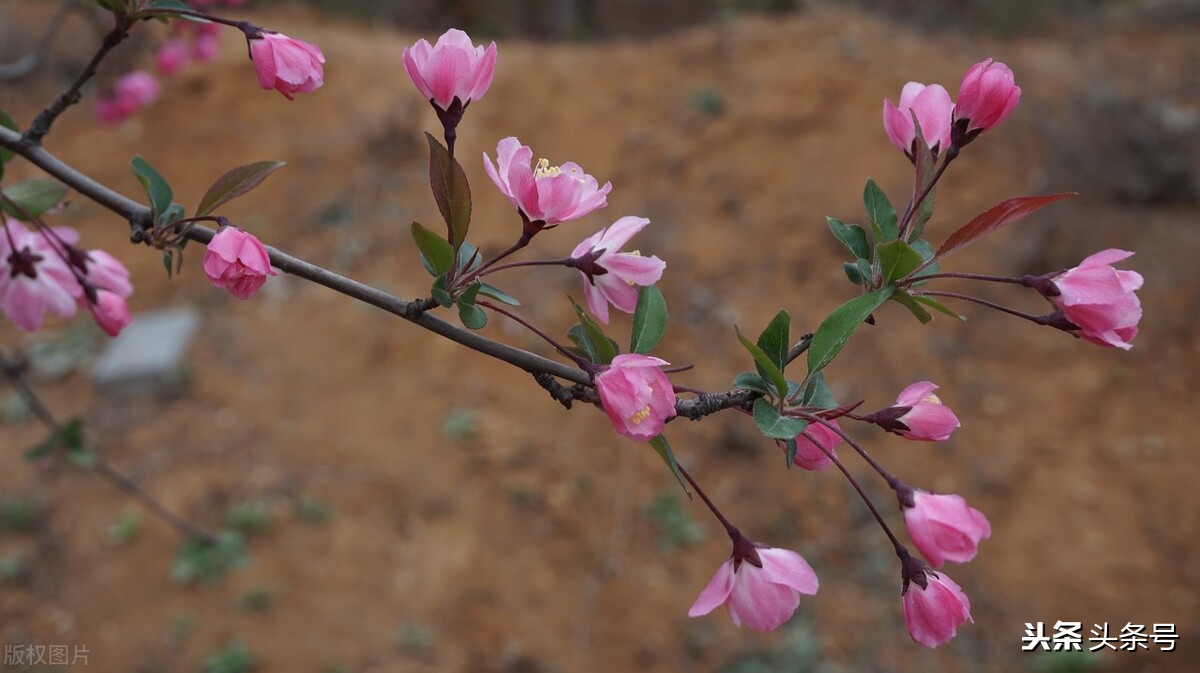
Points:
x=393, y=502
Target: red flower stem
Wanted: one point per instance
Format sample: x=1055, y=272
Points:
x=1039, y=320
x=857, y=447
x=585, y=365
x=730, y=529
x=566, y=261
x=244, y=26
x=1015, y=280
x=915, y=204
x=901, y=551
x=483, y=270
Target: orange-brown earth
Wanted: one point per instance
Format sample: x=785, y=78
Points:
x=524, y=546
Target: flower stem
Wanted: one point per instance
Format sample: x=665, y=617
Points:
x=1039, y=320
x=915, y=204
x=732, y=530
x=900, y=549
x=584, y=364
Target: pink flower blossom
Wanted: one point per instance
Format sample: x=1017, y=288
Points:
x=809, y=455
x=110, y=111
x=110, y=311
x=637, y=395
x=171, y=57
x=237, y=261
x=138, y=86
x=934, y=612
x=1100, y=299
x=944, y=527
x=761, y=597
x=106, y=272
x=206, y=48
x=545, y=193
x=927, y=419
x=286, y=64
x=452, y=68
x=33, y=277
x=987, y=95
x=933, y=108
x=625, y=270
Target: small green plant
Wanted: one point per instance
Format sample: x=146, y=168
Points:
x=180, y=629
x=257, y=599
x=414, y=637
x=460, y=425
x=18, y=515
x=235, y=657
x=708, y=102
x=203, y=561
x=125, y=529
x=251, y=518
x=676, y=528
x=313, y=511
x=13, y=569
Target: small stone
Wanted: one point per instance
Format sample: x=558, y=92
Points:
x=147, y=359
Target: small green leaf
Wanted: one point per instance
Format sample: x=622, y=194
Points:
x=440, y=294
x=234, y=183
x=604, y=347
x=853, y=273
x=850, y=235
x=578, y=335
x=649, y=320
x=776, y=339
x=923, y=161
x=764, y=363
x=663, y=447
x=909, y=302
x=82, y=459
x=155, y=185
x=434, y=249
x=468, y=258
x=864, y=269
x=169, y=5
x=880, y=211
x=789, y=452
x=7, y=122
x=499, y=295
x=472, y=316
x=896, y=260
x=774, y=424
x=451, y=191
x=170, y=216
x=840, y=325
x=940, y=307
x=817, y=393
x=752, y=381
x=33, y=196
x=167, y=262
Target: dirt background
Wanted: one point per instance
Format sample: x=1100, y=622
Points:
x=472, y=524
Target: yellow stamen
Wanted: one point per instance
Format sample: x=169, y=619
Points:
x=545, y=170
x=640, y=416
x=932, y=399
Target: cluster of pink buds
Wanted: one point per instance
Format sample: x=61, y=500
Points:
x=130, y=93
x=190, y=40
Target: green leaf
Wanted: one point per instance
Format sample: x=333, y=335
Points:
x=117, y=7
x=864, y=269
x=167, y=262
x=578, y=335
x=996, y=217
x=68, y=437
x=472, y=316
x=234, y=183
x=170, y=216
x=837, y=329
x=940, y=307
x=34, y=197
x=440, y=294
x=435, y=251
x=6, y=154
x=764, y=363
x=909, y=302
x=880, y=212
x=817, y=393
x=850, y=235
x=604, y=348
x=663, y=447
x=853, y=273
x=776, y=339
x=925, y=249
x=649, y=320
x=468, y=259
x=774, y=424
x=155, y=185
x=789, y=453
x=752, y=381
x=923, y=161
x=897, y=259
x=451, y=191
x=499, y=295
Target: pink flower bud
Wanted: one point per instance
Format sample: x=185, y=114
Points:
x=927, y=419
x=106, y=272
x=452, y=68
x=545, y=193
x=934, y=612
x=110, y=311
x=809, y=455
x=988, y=93
x=637, y=396
x=624, y=270
x=944, y=527
x=760, y=597
x=1100, y=299
x=237, y=261
x=286, y=64
x=138, y=86
x=206, y=48
x=34, y=278
x=171, y=57
x=933, y=109
x=110, y=110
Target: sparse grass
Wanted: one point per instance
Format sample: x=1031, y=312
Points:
x=125, y=529
x=313, y=510
x=414, y=637
x=251, y=518
x=199, y=561
x=676, y=527
x=257, y=599
x=235, y=657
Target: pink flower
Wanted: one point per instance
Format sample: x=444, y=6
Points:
x=935, y=611
x=944, y=527
x=1101, y=300
x=625, y=270
x=809, y=455
x=138, y=86
x=110, y=311
x=287, y=64
x=33, y=277
x=927, y=419
x=760, y=596
x=237, y=261
x=988, y=93
x=206, y=48
x=637, y=396
x=111, y=111
x=106, y=272
x=452, y=68
x=546, y=194
x=933, y=108
x=171, y=57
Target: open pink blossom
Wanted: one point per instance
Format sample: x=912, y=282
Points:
x=763, y=597
x=625, y=270
x=934, y=612
x=545, y=194
x=637, y=396
x=452, y=68
x=944, y=527
x=33, y=277
x=171, y=57
x=110, y=311
x=237, y=261
x=1100, y=299
x=927, y=419
x=987, y=95
x=933, y=109
x=286, y=64
x=809, y=455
